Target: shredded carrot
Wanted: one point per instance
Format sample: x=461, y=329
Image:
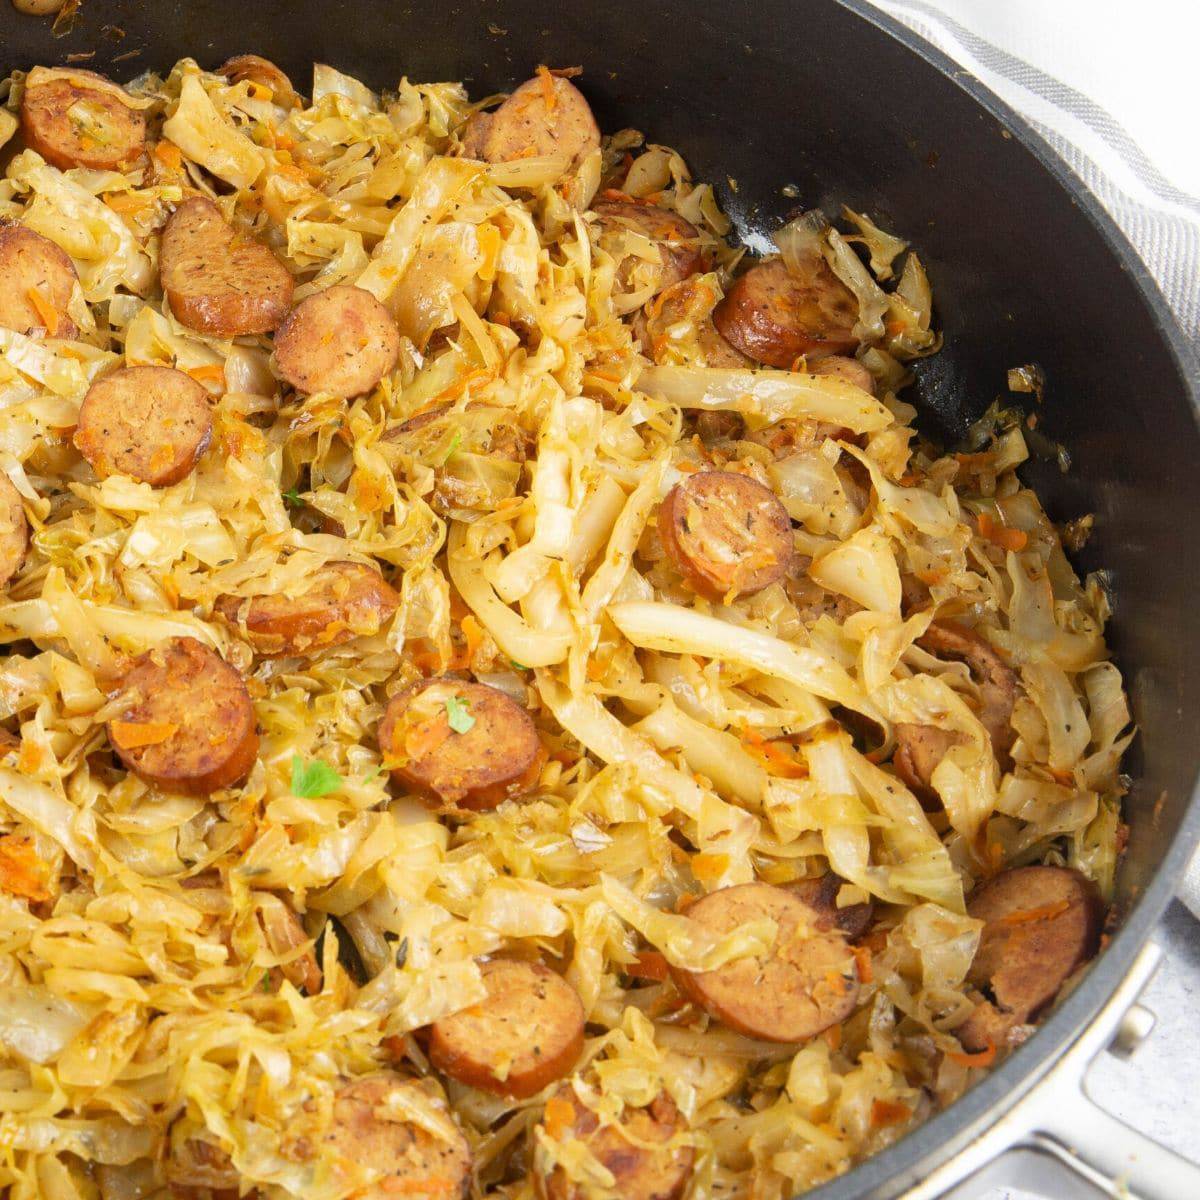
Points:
x=893, y=327
x=617, y=194
x=707, y=867
x=22, y=873
x=473, y=635
x=685, y=901
x=657, y=306
x=133, y=735
x=984, y=1058
x=773, y=756
x=426, y=660
x=558, y=1117
x=44, y=309
x=462, y=384
x=649, y=964
x=1044, y=913
x=169, y=155
x=284, y=141
x=209, y=374
x=833, y=1037
x=260, y=91
x=862, y=956
x=1001, y=535
x=836, y=982
x=397, y=1185
x=549, y=94
x=489, y=246
x=425, y=737
x=889, y=1112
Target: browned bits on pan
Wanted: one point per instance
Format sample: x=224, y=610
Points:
x=546, y=115
x=497, y=755
x=641, y=1152
x=187, y=723
x=14, y=530
x=1042, y=924
x=340, y=601
x=525, y=1034
x=921, y=747
x=821, y=893
x=341, y=340
x=81, y=121
x=37, y=278
x=250, y=68
x=676, y=240
x=150, y=423
x=775, y=316
x=725, y=533
x=384, y=1125
x=217, y=281
x=806, y=982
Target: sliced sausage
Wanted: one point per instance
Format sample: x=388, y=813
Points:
x=546, y=115
x=527, y=1033
x=919, y=749
x=497, y=754
x=400, y=1132
x=679, y=328
x=285, y=934
x=197, y=1168
x=341, y=341
x=677, y=242
x=807, y=981
x=1041, y=925
x=821, y=893
x=216, y=280
x=83, y=120
x=14, y=530
x=638, y=1151
x=187, y=722
x=848, y=370
x=774, y=316
x=37, y=278
x=150, y=423
x=725, y=533
x=717, y=425
x=250, y=68
x=340, y=601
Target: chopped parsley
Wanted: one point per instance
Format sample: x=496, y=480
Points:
x=458, y=715
x=264, y=984
x=455, y=442
x=292, y=497
x=516, y=666
x=312, y=779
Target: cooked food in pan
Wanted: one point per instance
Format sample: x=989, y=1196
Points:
x=497, y=698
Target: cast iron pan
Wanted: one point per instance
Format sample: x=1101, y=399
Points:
x=845, y=106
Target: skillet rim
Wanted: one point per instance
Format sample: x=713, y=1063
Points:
x=890, y=1172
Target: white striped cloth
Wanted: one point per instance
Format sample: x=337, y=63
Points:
x=1111, y=87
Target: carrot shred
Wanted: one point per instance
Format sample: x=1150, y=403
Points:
x=982, y=1058
x=649, y=964
x=549, y=95
x=396, y=1186
x=889, y=1112
x=1029, y=915
x=21, y=871
x=836, y=982
x=1001, y=535
x=45, y=310
x=773, y=757
x=213, y=373
x=425, y=737
x=862, y=957
x=473, y=635
x=133, y=735
x=617, y=194
x=169, y=155
x=707, y=867
x=489, y=246
x=284, y=141
x=558, y=1117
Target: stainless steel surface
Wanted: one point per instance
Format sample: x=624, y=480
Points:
x=1059, y=1141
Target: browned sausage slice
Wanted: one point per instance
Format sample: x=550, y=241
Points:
x=527, y=1033
x=342, y=601
x=401, y=1132
x=775, y=316
x=150, y=423
x=81, y=121
x=341, y=340
x=187, y=722
x=725, y=533
x=460, y=743
x=676, y=240
x=261, y=71
x=37, y=278
x=546, y=115
x=637, y=1152
x=217, y=281
x=14, y=530
x=284, y=935
x=849, y=370
x=679, y=328
x=807, y=982
x=1042, y=924
x=919, y=749
x=821, y=893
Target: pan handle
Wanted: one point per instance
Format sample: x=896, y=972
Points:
x=1057, y=1126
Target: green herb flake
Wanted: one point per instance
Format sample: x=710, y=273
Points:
x=292, y=497
x=516, y=666
x=313, y=779
x=455, y=442
x=458, y=715
x=264, y=984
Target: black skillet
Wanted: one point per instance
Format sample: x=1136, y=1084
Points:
x=843, y=105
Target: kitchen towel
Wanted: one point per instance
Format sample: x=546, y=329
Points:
x=1110, y=86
